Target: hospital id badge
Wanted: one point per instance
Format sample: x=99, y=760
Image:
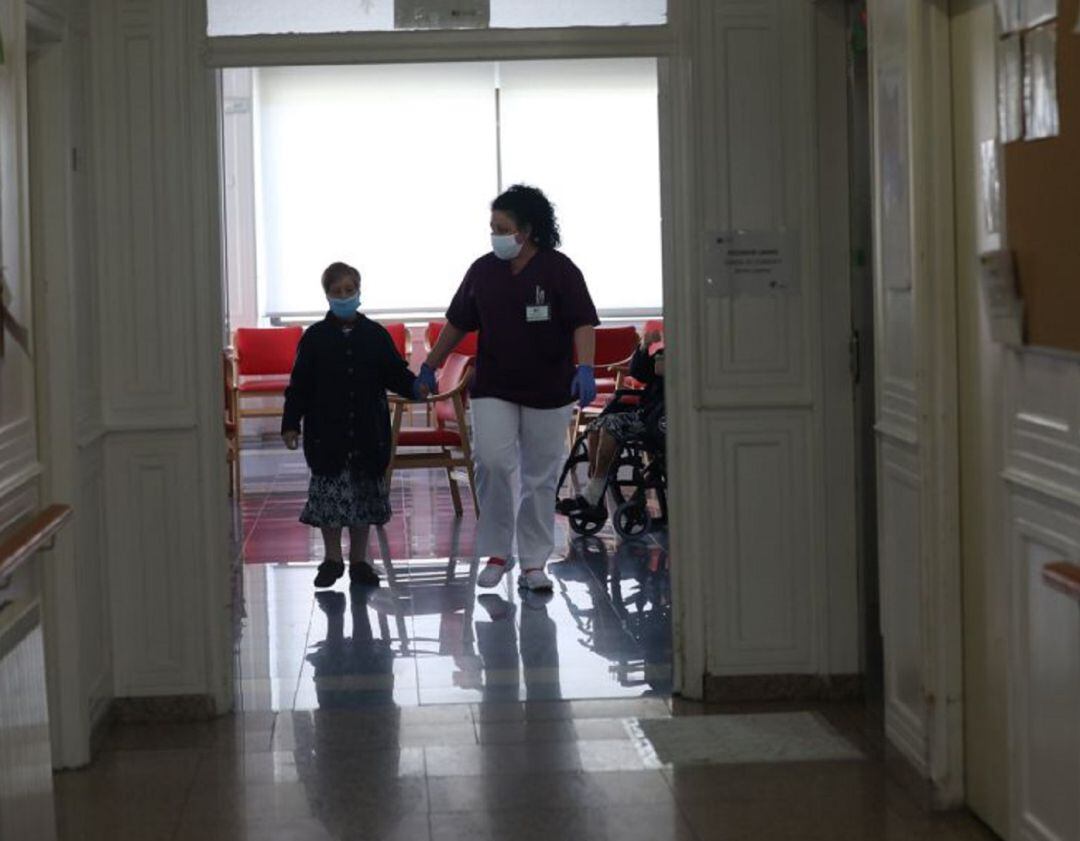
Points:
x=539, y=312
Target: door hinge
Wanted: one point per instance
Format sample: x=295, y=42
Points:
x=855, y=357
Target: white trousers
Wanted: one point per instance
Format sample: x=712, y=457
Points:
x=512, y=441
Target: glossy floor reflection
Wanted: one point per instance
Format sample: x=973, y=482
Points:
x=426, y=711
x=428, y=635
x=499, y=770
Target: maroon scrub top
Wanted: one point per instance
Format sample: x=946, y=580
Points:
x=527, y=321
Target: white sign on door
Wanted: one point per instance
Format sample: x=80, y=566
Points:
x=751, y=263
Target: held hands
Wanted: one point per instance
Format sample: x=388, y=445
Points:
x=583, y=387
x=425, y=382
x=291, y=438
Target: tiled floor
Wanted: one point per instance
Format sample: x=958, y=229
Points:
x=427, y=637
x=424, y=711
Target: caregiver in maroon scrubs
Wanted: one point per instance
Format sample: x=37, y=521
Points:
x=533, y=310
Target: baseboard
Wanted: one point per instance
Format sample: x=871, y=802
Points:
x=101, y=720
x=751, y=688
x=163, y=709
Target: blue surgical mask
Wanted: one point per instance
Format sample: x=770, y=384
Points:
x=344, y=308
x=505, y=246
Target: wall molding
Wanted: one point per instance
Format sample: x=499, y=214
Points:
x=447, y=45
x=743, y=688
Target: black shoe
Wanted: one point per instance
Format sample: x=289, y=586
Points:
x=329, y=572
x=363, y=575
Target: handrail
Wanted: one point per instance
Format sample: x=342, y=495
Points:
x=1063, y=577
x=34, y=534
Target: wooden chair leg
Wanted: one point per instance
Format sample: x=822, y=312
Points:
x=472, y=488
x=455, y=492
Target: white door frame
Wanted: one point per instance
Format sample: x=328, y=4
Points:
x=679, y=194
x=923, y=421
x=54, y=321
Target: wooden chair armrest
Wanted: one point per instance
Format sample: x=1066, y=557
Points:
x=233, y=361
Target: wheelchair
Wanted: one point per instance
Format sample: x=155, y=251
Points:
x=638, y=470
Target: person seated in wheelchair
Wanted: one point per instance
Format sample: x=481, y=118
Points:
x=623, y=422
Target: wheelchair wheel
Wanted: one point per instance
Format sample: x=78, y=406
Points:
x=586, y=526
x=632, y=518
x=621, y=487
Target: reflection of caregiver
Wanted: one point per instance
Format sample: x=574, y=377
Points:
x=532, y=309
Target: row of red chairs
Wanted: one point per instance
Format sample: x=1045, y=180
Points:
x=259, y=362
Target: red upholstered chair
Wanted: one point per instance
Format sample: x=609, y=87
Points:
x=400, y=334
x=466, y=347
x=615, y=348
x=444, y=443
x=262, y=359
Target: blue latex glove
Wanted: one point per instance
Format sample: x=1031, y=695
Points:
x=425, y=377
x=583, y=388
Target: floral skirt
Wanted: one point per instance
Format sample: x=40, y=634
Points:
x=347, y=500
x=622, y=426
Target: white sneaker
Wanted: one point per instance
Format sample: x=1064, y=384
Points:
x=534, y=579
x=493, y=571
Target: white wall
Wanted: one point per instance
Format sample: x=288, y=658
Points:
x=982, y=367
x=915, y=334
x=157, y=203
x=1020, y=463
x=764, y=524
x=25, y=780
x=761, y=399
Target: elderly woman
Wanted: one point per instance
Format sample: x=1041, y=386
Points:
x=533, y=310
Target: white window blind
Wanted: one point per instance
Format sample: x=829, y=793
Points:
x=393, y=169
x=586, y=132
x=389, y=168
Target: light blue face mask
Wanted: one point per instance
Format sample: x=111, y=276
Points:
x=344, y=308
x=506, y=246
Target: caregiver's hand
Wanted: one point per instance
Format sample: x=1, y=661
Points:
x=583, y=388
x=291, y=439
x=426, y=378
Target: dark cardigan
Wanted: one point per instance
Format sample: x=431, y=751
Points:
x=338, y=390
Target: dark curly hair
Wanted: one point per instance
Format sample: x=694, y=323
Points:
x=338, y=270
x=530, y=208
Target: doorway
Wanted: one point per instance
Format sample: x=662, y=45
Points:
x=430, y=636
